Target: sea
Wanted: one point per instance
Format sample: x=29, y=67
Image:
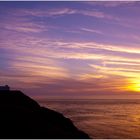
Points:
x=101, y=118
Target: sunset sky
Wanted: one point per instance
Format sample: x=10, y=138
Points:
x=70, y=48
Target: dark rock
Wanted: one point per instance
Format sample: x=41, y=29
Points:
x=22, y=117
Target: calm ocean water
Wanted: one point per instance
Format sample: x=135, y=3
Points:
x=101, y=118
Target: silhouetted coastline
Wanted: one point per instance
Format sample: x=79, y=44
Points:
x=22, y=117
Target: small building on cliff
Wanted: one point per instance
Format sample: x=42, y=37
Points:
x=6, y=87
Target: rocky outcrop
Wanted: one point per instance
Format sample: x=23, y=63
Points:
x=22, y=117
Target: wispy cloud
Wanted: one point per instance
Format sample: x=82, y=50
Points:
x=51, y=49
x=92, y=30
x=62, y=12
x=97, y=14
x=21, y=24
x=45, y=12
x=71, y=50
x=126, y=72
x=110, y=3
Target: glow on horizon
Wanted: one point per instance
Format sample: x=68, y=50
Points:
x=135, y=85
x=70, y=48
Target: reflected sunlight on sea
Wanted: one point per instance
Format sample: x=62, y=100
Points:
x=101, y=118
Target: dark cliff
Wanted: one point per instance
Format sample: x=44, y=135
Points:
x=22, y=117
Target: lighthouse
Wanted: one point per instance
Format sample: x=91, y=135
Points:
x=5, y=88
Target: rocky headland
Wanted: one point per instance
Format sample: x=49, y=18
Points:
x=22, y=117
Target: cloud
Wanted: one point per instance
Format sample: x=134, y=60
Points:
x=92, y=31
x=117, y=62
x=46, y=12
x=41, y=60
x=120, y=71
x=40, y=63
x=29, y=74
x=66, y=87
x=24, y=29
x=110, y=3
x=97, y=14
x=39, y=50
x=21, y=24
x=40, y=70
x=54, y=49
x=56, y=12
